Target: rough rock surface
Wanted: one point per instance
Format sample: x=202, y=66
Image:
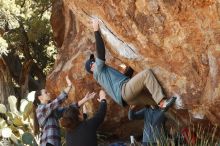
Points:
x=179, y=40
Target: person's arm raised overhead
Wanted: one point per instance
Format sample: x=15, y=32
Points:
x=100, y=47
x=57, y=102
x=87, y=97
x=69, y=85
x=46, y=110
x=100, y=114
x=85, y=116
x=60, y=110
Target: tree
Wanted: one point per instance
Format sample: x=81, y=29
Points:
x=5, y=82
x=30, y=52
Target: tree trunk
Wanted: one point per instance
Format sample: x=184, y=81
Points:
x=17, y=70
x=6, y=86
x=24, y=77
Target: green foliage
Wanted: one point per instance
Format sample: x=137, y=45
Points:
x=26, y=25
x=28, y=138
x=3, y=109
x=3, y=46
x=27, y=110
x=12, y=100
x=18, y=122
x=2, y=123
x=25, y=30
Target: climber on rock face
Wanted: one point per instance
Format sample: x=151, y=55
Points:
x=120, y=88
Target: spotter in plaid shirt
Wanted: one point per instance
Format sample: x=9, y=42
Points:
x=48, y=115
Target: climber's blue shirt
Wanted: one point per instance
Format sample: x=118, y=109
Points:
x=110, y=79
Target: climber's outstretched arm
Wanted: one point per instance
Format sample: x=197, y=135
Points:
x=100, y=47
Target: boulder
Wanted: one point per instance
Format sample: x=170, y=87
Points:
x=178, y=40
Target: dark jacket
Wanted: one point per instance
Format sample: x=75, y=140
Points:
x=153, y=123
x=85, y=133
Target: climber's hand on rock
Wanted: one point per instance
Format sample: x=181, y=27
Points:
x=95, y=24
